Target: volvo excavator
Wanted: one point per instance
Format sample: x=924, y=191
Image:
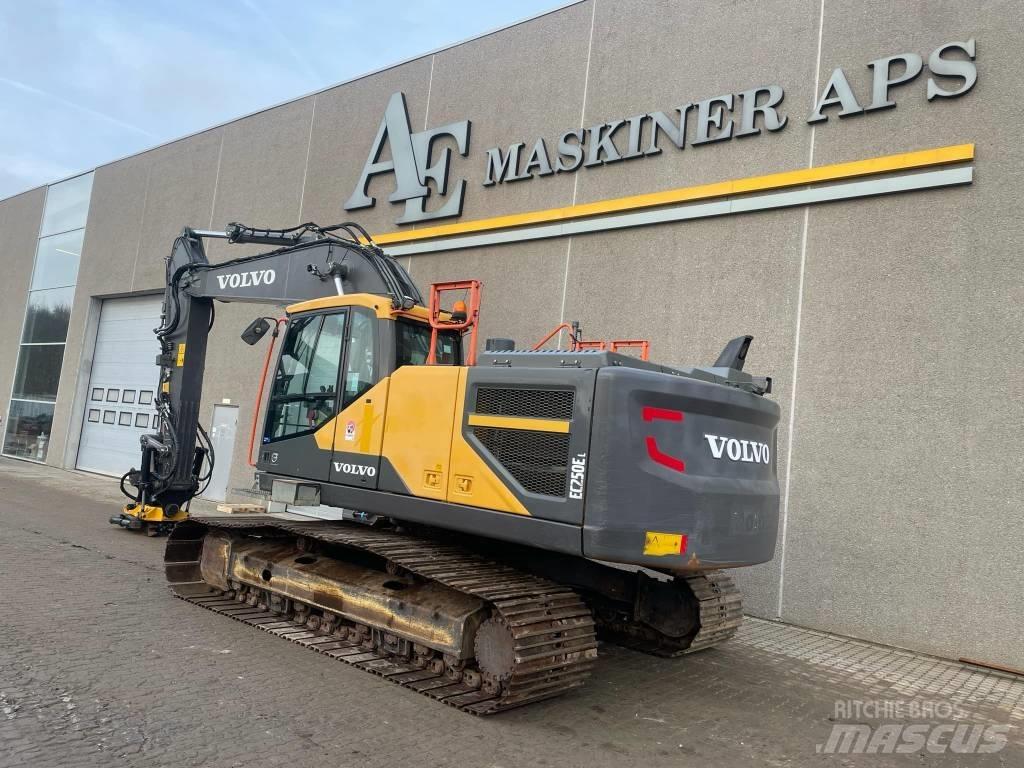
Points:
x=464, y=525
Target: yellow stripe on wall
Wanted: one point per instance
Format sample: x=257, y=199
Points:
x=925, y=158
x=518, y=422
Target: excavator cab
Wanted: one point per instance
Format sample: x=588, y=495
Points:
x=324, y=413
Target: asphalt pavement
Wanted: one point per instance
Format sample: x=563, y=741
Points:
x=101, y=666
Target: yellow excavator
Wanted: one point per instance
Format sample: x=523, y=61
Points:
x=464, y=525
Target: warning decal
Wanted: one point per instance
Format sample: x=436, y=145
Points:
x=657, y=544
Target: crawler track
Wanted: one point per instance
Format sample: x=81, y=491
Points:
x=721, y=614
x=553, y=641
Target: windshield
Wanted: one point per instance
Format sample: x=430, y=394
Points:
x=304, y=394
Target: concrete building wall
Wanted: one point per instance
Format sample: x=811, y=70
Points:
x=906, y=481
x=888, y=323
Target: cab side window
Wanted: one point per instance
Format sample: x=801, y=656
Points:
x=413, y=345
x=360, y=365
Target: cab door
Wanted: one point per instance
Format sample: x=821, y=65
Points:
x=358, y=430
x=304, y=397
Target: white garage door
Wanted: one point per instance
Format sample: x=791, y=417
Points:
x=121, y=387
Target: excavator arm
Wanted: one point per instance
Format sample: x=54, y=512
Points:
x=309, y=262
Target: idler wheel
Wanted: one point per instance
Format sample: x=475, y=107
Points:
x=495, y=650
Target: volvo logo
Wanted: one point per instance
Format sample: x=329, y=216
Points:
x=247, y=279
x=738, y=450
x=361, y=470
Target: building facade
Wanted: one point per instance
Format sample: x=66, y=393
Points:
x=837, y=179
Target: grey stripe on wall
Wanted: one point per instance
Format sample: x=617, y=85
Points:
x=886, y=185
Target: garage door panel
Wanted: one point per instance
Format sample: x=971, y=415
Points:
x=122, y=386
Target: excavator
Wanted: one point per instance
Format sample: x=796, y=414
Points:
x=463, y=525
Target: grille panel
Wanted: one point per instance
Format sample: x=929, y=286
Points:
x=538, y=403
x=537, y=460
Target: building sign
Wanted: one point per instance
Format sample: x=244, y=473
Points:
x=412, y=165
x=415, y=163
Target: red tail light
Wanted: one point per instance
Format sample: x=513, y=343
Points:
x=662, y=414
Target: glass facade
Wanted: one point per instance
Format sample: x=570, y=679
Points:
x=67, y=205
x=57, y=260
x=47, y=314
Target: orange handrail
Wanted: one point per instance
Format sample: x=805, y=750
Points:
x=576, y=344
x=643, y=344
x=546, y=339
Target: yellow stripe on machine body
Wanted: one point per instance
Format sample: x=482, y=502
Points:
x=519, y=422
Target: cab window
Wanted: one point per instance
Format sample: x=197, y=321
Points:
x=360, y=368
x=304, y=394
x=413, y=344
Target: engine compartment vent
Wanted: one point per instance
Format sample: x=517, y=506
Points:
x=518, y=401
x=537, y=460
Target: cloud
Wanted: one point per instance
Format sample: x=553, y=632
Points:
x=26, y=88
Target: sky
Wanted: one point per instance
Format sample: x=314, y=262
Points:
x=84, y=82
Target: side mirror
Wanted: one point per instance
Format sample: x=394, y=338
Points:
x=257, y=330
